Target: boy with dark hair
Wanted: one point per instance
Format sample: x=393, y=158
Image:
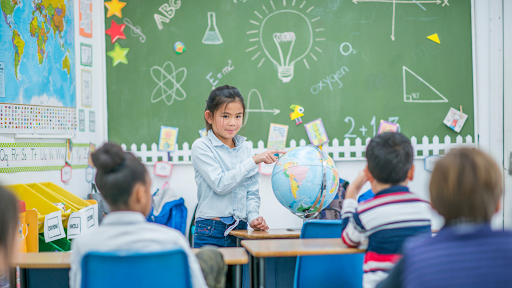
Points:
x=465, y=188
x=392, y=215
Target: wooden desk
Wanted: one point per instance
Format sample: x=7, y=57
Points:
x=62, y=260
x=269, y=234
x=260, y=249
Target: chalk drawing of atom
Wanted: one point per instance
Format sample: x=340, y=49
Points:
x=168, y=87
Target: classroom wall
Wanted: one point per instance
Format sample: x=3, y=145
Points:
x=77, y=184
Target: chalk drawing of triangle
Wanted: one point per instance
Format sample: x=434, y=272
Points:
x=413, y=97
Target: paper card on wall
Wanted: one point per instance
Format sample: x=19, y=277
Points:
x=89, y=174
x=85, y=54
x=81, y=120
x=85, y=18
x=455, y=119
x=316, y=132
x=69, y=151
x=266, y=169
x=277, y=136
x=65, y=173
x=92, y=121
x=92, y=148
x=77, y=224
x=203, y=132
x=430, y=162
x=53, y=228
x=91, y=216
x=168, y=138
x=163, y=169
x=86, y=88
x=386, y=126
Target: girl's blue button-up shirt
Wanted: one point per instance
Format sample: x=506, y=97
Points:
x=227, y=179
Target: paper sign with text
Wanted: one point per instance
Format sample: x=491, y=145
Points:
x=163, y=169
x=77, y=224
x=277, y=135
x=430, y=162
x=53, y=228
x=91, y=216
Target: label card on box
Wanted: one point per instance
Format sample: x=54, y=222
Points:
x=53, y=228
x=91, y=216
x=76, y=224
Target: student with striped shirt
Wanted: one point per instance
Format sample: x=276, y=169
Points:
x=393, y=215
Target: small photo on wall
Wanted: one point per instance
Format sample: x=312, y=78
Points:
x=85, y=55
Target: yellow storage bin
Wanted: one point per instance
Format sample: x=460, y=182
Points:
x=69, y=197
x=35, y=201
x=51, y=196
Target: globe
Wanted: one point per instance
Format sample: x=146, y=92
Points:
x=297, y=179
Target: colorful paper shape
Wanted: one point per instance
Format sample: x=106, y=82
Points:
x=179, y=47
x=203, y=132
x=435, y=38
x=316, y=132
x=114, y=8
x=163, y=169
x=118, y=55
x=430, y=162
x=92, y=148
x=386, y=126
x=115, y=31
x=298, y=111
x=277, y=135
x=168, y=138
x=65, y=173
x=455, y=119
x=69, y=151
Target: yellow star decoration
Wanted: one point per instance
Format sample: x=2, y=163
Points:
x=114, y=8
x=118, y=54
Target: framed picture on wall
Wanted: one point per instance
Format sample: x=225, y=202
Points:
x=86, y=88
x=85, y=55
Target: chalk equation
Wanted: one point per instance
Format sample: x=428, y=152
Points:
x=349, y=120
x=329, y=80
x=167, y=75
x=225, y=71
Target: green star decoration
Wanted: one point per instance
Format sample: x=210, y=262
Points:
x=118, y=54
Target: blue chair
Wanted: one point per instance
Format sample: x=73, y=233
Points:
x=327, y=270
x=128, y=269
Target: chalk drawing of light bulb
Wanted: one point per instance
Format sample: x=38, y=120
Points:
x=286, y=36
x=212, y=35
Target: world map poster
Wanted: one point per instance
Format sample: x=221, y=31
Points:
x=37, y=67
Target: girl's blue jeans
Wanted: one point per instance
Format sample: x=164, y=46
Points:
x=211, y=232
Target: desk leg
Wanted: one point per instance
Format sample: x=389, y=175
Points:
x=238, y=268
x=261, y=275
x=23, y=278
x=252, y=272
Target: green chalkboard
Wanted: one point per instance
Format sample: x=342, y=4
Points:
x=351, y=64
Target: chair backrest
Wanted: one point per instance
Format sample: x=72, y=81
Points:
x=327, y=270
x=128, y=269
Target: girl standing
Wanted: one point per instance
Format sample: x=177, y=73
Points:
x=226, y=173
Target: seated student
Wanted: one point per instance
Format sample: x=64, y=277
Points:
x=466, y=188
x=8, y=238
x=125, y=184
x=392, y=215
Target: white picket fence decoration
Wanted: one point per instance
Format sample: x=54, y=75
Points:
x=345, y=152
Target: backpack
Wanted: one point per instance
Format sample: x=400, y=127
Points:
x=333, y=210
x=168, y=210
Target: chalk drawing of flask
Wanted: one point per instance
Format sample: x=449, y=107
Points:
x=212, y=35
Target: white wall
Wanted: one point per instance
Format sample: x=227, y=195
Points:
x=77, y=184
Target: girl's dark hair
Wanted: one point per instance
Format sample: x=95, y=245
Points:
x=220, y=97
x=8, y=225
x=118, y=172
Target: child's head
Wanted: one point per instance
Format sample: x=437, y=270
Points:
x=224, y=112
x=466, y=186
x=389, y=157
x=8, y=225
x=122, y=179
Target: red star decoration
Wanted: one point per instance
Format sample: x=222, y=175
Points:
x=115, y=31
